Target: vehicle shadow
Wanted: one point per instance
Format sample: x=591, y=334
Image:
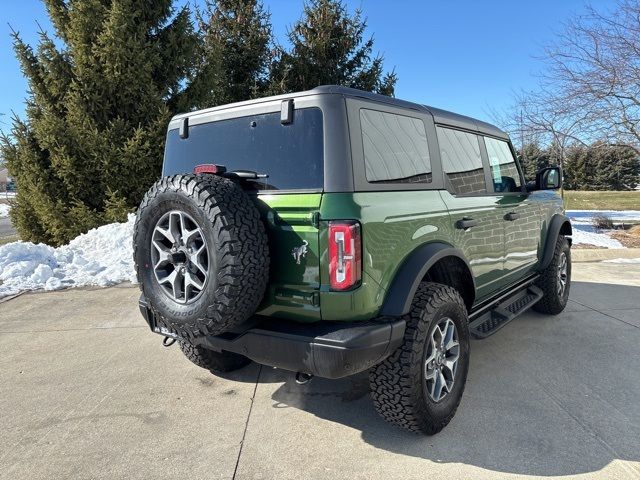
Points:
x=547, y=395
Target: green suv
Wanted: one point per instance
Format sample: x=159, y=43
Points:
x=334, y=231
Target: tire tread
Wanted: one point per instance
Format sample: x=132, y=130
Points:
x=396, y=383
x=243, y=252
x=550, y=303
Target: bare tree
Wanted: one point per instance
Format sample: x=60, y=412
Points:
x=549, y=121
x=542, y=118
x=592, y=77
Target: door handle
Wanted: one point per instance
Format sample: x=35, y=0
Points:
x=511, y=216
x=466, y=223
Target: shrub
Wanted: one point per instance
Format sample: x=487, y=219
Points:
x=602, y=222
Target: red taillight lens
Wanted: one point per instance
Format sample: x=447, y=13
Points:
x=345, y=255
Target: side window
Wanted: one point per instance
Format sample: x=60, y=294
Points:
x=461, y=161
x=504, y=171
x=395, y=148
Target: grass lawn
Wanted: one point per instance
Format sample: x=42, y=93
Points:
x=587, y=200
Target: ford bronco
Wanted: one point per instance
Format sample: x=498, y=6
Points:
x=334, y=231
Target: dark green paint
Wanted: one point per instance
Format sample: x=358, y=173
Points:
x=394, y=224
x=293, y=290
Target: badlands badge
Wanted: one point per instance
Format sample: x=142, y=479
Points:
x=300, y=252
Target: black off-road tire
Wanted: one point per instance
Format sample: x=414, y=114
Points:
x=237, y=248
x=215, y=362
x=552, y=302
x=398, y=385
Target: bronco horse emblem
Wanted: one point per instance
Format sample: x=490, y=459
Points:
x=300, y=252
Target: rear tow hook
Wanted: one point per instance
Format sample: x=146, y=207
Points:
x=303, y=378
x=168, y=341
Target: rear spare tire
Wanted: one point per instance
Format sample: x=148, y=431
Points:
x=201, y=254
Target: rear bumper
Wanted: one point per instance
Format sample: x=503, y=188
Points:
x=324, y=349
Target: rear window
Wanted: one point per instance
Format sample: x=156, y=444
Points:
x=292, y=154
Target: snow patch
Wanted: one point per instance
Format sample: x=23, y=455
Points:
x=584, y=232
x=4, y=210
x=103, y=256
x=622, y=260
x=579, y=217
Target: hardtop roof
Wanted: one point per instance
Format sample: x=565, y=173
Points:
x=441, y=117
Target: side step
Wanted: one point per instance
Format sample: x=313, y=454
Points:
x=508, y=309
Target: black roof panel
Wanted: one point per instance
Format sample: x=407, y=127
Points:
x=442, y=117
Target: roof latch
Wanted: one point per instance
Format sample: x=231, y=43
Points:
x=286, y=112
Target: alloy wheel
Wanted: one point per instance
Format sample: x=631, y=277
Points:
x=179, y=257
x=441, y=362
x=563, y=267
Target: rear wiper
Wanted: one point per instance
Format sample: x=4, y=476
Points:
x=245, y=174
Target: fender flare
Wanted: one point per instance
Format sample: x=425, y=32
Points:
x=400, y=294
x=559, y=225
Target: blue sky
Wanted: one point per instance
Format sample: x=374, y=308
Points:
x=465, y=56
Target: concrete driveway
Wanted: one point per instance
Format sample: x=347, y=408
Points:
x=6, y=227
x=88, y=392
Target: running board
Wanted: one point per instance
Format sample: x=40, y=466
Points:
x=505, y=311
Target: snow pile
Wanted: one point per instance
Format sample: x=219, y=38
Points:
x=584, y=232
x=622, y=260
x=103, y=256
x=580, y=217
x=4, y=210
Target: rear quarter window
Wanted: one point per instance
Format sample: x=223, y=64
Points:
x=395, y=148
x=291, y=154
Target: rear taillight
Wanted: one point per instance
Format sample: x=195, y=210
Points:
x=345, y=254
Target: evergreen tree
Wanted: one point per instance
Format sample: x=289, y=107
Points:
x=91, y=143
x=615, y=167
x=234, y=54
x=533, y=159
x=576, y=168
x=602, y=167
x=101, y=95
x=328, y=47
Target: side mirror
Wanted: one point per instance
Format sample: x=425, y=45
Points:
x=549, y=178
